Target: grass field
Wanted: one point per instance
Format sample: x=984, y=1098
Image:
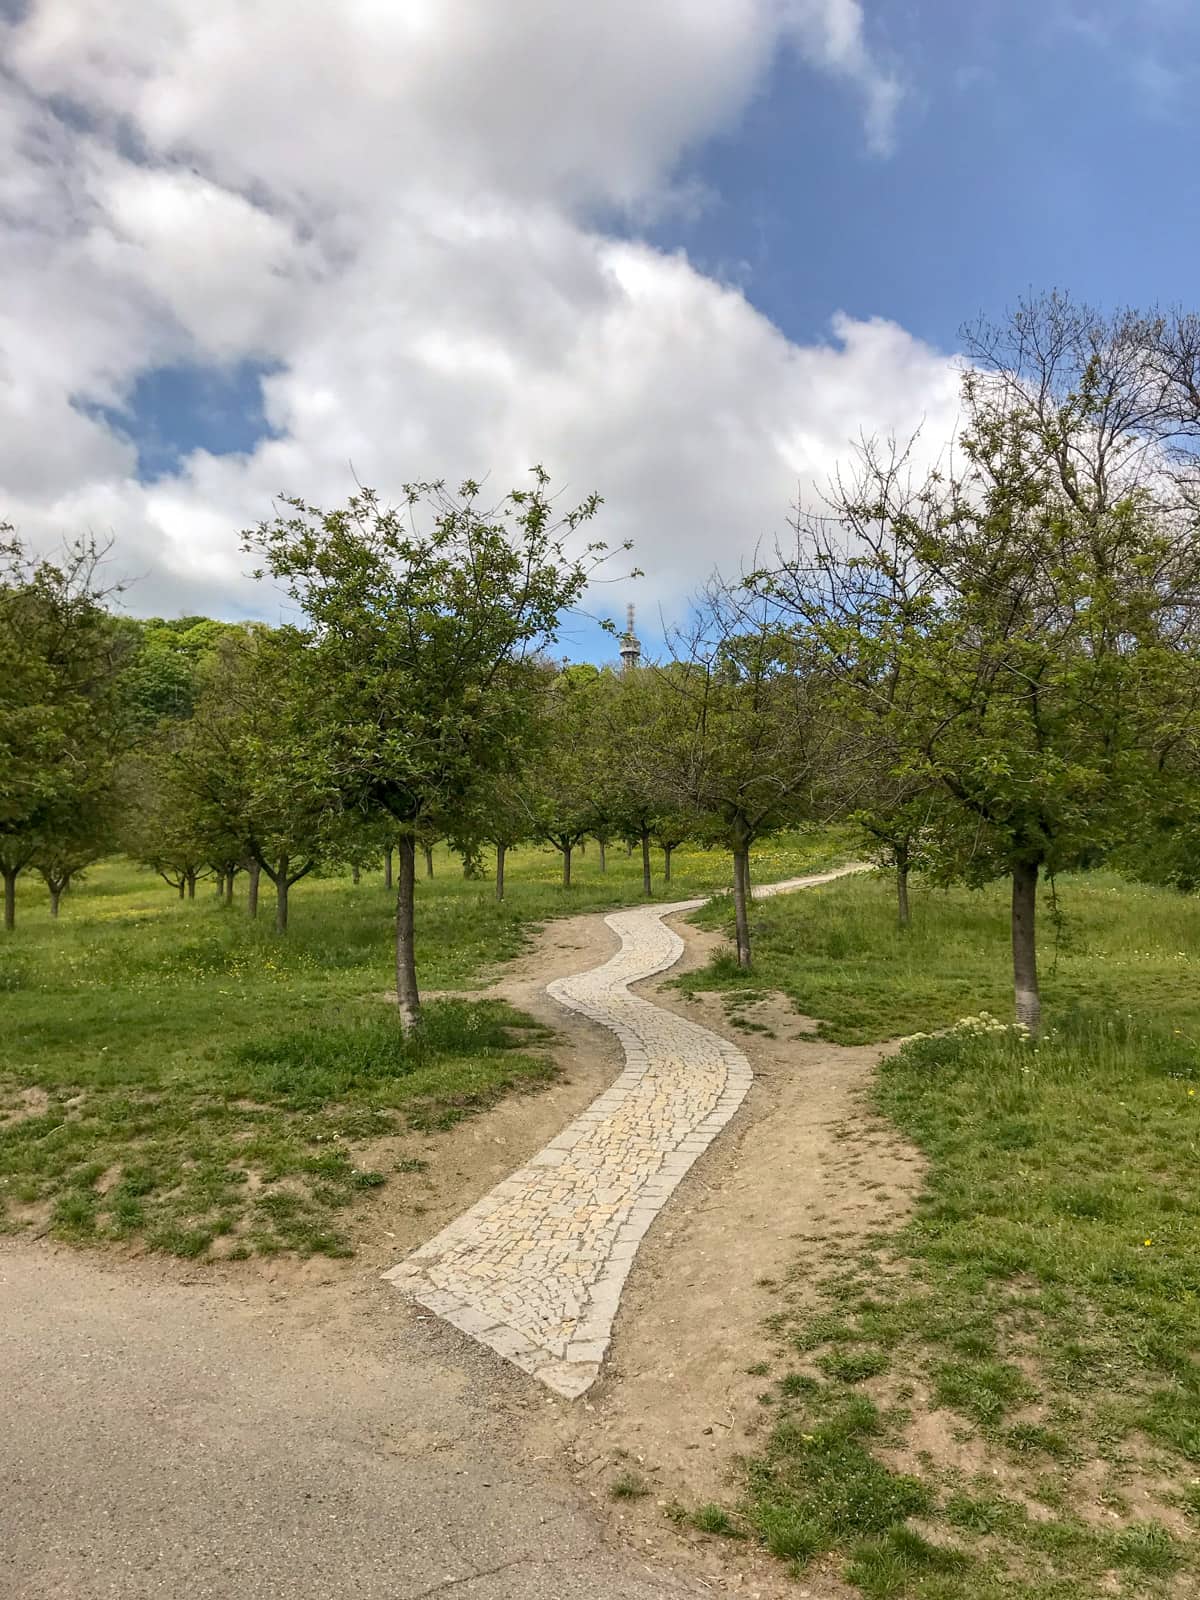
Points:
x=175, y=1075
x=1002, y=1397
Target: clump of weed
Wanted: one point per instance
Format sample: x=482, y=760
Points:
x=715, y=1519
x=629, y=1485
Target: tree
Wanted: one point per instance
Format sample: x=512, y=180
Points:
x=643, y=802
x=164, y=665
x=164, y=825
x=427, y=836
x=896, y=815
x=60, y=715
x=746, y=733
x=671, y=829
x=1006, y=623
x=497, y=813
x=253, y=759
x=630, y=737
x=424, y=642
x=1165, y=848
x=870, y=780
x=559, y=784
x=83, y=831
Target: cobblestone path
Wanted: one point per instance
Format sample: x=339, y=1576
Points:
x=535, y=1269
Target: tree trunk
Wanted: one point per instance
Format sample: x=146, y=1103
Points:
x=1024, y=945
x=428, y=860
x=182, y=888
x=10, y=898
x=902, y=911
x=191, y=885
x=566, y=866
x=647, y=885
x=281, y=895
x=387, y=868
x=55, y=896
x=501, y=852
x=408, y=1000
x=603, y=855
x=229, y=877
x=667, y=848
x=255, y=872
x=355, y=873
x=741, y=894
x=220, y=885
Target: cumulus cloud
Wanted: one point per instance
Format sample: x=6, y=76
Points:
x=397, y=210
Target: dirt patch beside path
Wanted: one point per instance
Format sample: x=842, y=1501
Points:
x=801, y=1177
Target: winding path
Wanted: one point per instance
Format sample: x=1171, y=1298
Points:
x=535, y=1269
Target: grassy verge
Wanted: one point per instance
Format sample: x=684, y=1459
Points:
x=838, y=955
x=250, y=1148
x=175, y=1075
x=1001, y=1400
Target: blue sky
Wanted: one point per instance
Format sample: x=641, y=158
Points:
x=1041, y=144
x=681, y=253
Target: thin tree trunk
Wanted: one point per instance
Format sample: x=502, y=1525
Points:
x=356, y=873
x=1024, y=945
x=566, y=855
x=603, y=855
x=902, y=911
x=229, y=877
x=741, y=894
x=501, y=852
x=387, y=868
x=182, y=888
x=428, y=860
x=255, y=872
x=191, y=885
x=667, y=848
x=408, y=1000
x=281, y=895
x=647, y=885
x=55, y=896
x=10, y=898
x=220, y=885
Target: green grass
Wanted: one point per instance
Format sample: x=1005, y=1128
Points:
x=253, y=1146
x=838, y=955
x=174, y=1075
x=1048, y=1308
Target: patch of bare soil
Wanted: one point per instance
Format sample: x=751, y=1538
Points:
x=24, y=1104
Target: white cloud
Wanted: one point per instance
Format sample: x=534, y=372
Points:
x=396, y=207
x=832, y=34
x=218, y=266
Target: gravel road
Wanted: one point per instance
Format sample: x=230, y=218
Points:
x=161, y=1439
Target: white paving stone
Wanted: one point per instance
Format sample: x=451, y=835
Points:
x=535, y=1269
